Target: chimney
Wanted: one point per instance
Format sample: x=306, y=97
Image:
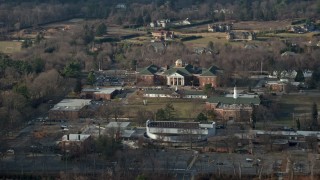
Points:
x=79, y=137
x=67, y=137
x=235, y=94
x=167, y=67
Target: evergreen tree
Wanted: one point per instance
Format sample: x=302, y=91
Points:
x=254, y=118
x=169, y=111
x=72, y=70
x=101, y=29
x=201, y=117
x=314, y=123
x=160, y=115
x=298, y=124
x=91, y=79
x=299, y=77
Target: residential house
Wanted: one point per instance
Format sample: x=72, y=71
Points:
x=235, y=107
x=219, y=27
x=163, y=35
x=276, y=86
x=68, y=109
x=202, y=50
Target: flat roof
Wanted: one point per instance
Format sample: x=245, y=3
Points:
x=75, y=137
x=107, y=90
x=71, y=104
x=118, y=124
x=102, y=90
x=127, y=133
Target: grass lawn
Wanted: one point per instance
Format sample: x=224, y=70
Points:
x=296, y=106
x=184, y=108
x=10, y=46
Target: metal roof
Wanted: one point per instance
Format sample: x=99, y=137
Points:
x=118, y=124
x=71, y=104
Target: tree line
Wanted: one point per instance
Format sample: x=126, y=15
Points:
x=15, y=15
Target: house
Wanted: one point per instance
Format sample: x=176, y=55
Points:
x=233, y=107
x=276, y=86
x=163, y=35
x=219, y=27
x=210, y=76
x=202, y=50
x=68, y=109
x=177, y=131
x=162, y=23
x=121, y=6
x=76, y=144
x=186, y=22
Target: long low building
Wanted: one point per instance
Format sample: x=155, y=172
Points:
x=100, y=94
x=68, y=109
x=175, y=131
x=170, y=93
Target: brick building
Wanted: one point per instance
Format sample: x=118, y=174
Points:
x=181, y=74
x=100, y=93
x=210, y=76
x=68, y=109
x=236, y=107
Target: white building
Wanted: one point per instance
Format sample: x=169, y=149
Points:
x=175, y=131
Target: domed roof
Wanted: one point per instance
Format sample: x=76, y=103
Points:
x=178, y=61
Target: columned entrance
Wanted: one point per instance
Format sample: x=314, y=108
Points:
x=175, y=81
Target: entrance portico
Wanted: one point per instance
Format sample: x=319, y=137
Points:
x=175, y=79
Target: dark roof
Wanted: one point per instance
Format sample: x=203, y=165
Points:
x=212, y=71
x=185, y=71
x=231, y=100
x=150, y=70
x=174, y=124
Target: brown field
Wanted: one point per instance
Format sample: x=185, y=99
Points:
x=9, y=47
x=261, y=25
